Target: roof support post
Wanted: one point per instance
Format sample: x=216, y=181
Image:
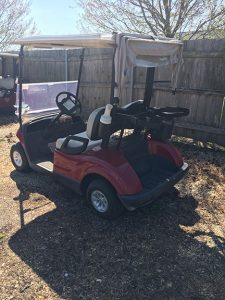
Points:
x=3, y=67
x=20, y=81
x=113, y=84
x=66, y=64
x=15, y=69
x=80, y=72
x=149, y=86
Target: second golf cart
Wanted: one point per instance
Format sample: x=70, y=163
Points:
x=8, y=82
x=114, y=171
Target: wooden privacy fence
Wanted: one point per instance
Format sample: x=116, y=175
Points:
x=201, y=88
x=201, y=84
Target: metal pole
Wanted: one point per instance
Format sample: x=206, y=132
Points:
x=66, y=65
x=149, y=86
x=114, y=95
x=20, y=80
x=3, y=67
x=15, y=71
x=66, y=68
x=80, y=72
x=112, y=100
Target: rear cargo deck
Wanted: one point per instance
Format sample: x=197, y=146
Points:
x=152, y=170
x=156, y=177
x=156, y=173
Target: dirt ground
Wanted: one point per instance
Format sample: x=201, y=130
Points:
x=53, y=247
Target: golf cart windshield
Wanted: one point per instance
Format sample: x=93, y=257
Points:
x=39, y=98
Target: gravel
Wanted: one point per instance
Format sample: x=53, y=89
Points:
x=53, y=247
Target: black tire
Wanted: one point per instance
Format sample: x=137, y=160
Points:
x=114, y=207
x=24, y=165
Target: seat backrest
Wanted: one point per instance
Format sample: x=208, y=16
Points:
x=93, y=123
x=7, y=83
x=132, y=108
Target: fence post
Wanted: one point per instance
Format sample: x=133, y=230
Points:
x=222, y=116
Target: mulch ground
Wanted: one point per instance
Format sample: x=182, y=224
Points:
x=53, y=247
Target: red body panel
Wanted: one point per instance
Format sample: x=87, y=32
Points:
x=168, y=151
x=20, y=136
x=109, y=163
x=112, y=165
x=8, y=102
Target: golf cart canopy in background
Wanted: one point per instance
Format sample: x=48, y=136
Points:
x=8, y=76
x=5, y=56
x=130, y=50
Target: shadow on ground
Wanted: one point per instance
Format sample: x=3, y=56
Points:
x=142, y=255
x=7, y=118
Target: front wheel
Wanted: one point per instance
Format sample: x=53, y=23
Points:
x=18, y=158
x=103, y=200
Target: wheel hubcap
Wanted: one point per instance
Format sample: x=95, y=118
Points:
x=17, y=158
x=99, y=201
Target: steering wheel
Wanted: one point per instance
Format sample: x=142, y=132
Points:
x=172, y=112
x=68, y=104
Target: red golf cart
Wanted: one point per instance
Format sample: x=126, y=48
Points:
x=8, y=82
x=114, y=171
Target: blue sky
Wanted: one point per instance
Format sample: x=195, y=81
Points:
x=55, y=16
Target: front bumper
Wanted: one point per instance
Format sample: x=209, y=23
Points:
x=146, y=196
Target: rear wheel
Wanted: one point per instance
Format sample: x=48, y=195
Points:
x=18, y=158
x=103, y=200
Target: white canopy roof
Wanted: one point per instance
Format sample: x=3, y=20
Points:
x=97, y=40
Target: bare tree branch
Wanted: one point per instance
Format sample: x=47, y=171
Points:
x=146, y=19
x=14, y=21
x=171, y=18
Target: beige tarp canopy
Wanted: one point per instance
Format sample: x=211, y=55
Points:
x=144, y=51
x=131, y=50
